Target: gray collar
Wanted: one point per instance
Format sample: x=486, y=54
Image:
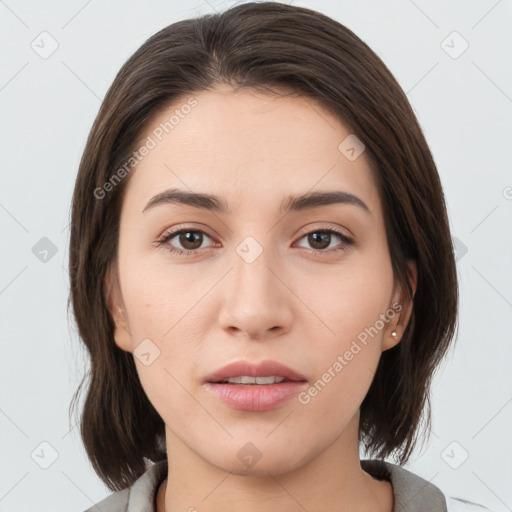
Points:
x=412, y=493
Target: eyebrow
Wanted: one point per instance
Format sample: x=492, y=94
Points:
x=293, y=203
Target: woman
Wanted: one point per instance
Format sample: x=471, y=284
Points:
x=262, y=271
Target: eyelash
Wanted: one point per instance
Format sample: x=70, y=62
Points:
x=347, y=241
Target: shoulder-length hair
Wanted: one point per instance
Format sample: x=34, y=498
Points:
x=268, y=47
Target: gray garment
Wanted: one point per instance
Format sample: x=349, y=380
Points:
x=412, y=493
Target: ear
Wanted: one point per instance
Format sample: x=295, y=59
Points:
x=116, y=307
x=403, y=306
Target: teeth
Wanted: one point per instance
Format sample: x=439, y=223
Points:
x=244, y=379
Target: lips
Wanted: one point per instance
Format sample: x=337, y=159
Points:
x=264, y=369
x=249, y=394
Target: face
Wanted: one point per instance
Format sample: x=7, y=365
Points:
x=254, y=276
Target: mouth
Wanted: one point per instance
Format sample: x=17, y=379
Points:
x=263, y=373
x=255, y=387
x=251, y=381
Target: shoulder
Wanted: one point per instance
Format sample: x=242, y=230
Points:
x=139, y=496
x=411, y=492
x=415, y=494
x=116, y=502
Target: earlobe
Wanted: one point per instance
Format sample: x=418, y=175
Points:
x=397, y=326
x=393, y=335
x=115, y=303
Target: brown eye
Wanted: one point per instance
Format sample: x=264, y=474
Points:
x=321, y=239
x=190, y=240
x=187, y=240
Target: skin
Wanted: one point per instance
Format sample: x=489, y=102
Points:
x=290, y=305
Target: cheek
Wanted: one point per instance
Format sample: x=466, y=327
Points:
x=345, y=365
x=345, y=302
x=163, y=305
x=347, y=313
x=160, y=298
x=342, y=380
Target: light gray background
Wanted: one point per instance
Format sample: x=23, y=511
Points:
x=48, y=105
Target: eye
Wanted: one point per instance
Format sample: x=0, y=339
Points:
x=190, y=240
x=321, y=239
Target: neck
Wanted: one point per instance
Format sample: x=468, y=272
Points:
x=333, y=480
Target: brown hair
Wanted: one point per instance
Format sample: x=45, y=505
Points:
x=262, y=46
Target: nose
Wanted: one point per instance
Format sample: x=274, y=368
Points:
x=257, y=299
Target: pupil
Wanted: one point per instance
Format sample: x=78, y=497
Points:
x=185, y=239
x=314, y=237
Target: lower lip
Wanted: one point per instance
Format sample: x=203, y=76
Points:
x=255, y=397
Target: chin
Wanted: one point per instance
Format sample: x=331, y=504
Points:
x=258, y=459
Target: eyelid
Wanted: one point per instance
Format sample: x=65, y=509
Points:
x=326, y=227
x=185, y=227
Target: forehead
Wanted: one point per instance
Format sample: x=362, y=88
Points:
x=249, y=147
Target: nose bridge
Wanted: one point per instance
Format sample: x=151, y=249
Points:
x=255, y=299
x=253, y=281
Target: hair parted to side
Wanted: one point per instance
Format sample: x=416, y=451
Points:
x=269, y=47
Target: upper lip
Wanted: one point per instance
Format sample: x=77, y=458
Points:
x=262, y=369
